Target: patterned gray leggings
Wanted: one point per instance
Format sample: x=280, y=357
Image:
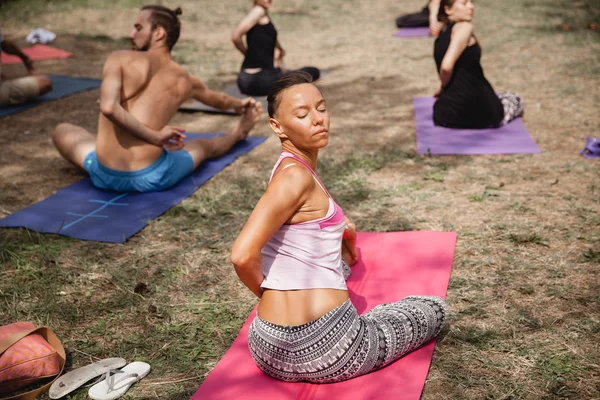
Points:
x=341, y=344
x=513, y=106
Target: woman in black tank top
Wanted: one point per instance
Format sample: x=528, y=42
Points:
x=258, y=72
x=466, y=99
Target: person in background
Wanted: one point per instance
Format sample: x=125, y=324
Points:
x=262, y=49
x=135, y=149
x=428, y=16
x=20, y=90
x=466, y=100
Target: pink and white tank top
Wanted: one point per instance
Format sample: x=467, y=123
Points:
x=306, y=255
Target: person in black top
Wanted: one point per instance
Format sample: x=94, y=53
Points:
x=466, y=99
x=262, y=49
x=426, y=17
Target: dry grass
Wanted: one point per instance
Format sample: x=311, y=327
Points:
x=524, y=290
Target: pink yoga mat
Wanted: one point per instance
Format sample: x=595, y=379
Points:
x=36, y=53
x=391, y=266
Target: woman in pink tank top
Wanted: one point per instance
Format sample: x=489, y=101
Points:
x=294, y=253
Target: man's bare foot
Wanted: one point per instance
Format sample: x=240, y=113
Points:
x=249, y=118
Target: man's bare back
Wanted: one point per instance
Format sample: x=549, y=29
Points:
x=152, y=91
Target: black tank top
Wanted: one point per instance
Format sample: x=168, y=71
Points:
x=468, y=101
x=261, y=41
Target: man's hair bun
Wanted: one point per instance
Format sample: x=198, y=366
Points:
x=178, y=11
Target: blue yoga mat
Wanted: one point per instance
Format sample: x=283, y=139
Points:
x=61, y=86
x=82, y=211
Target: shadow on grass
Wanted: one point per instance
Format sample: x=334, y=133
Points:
x=102, y=38
x=23, y=10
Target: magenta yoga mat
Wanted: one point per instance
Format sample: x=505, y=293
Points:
x=391, y=266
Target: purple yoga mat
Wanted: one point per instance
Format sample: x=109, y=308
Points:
x=413, y=32
x=511, y=138
x=592, y=148
x=82, y=211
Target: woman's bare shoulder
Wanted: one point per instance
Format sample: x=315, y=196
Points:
x=464, y=27
x=257, y=12
x=294, y=171
x=293, y=177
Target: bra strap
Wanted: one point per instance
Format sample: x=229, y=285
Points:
x=286, y=154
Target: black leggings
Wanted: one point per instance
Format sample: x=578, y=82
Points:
x=260, y=83
x=414, y=20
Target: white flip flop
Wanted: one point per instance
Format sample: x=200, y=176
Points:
x=118, y=381
x=74, y=379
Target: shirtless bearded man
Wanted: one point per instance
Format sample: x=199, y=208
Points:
x=135, y=150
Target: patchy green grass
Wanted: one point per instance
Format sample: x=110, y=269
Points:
x=526, y=238
x=476, y=197
x=591, y=256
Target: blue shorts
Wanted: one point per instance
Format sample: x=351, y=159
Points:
x=170, y=168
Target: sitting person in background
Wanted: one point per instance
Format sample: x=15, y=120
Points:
x=135, y=150
x=258, y=73
x=428, y=16
x=21, y=90
x=466, y=99
x=294, y=254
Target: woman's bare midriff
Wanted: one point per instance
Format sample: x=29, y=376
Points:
x=252, y=71
x=298, y=307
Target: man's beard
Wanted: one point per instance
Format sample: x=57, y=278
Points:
x=145, y=47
